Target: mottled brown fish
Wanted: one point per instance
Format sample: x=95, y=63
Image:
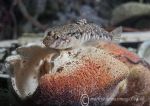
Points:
x=78, y=34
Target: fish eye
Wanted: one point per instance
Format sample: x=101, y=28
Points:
x=50, y=33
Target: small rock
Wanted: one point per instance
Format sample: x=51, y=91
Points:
x=129, y=10
x=144, y=51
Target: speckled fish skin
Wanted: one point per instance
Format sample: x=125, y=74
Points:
x=74, y=35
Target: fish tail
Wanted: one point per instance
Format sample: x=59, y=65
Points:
x=116, y=34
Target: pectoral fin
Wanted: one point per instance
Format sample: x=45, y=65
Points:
x=27, y=51
x=116, y=34
x=24, y=52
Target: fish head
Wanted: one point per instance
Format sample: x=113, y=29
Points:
x=59, y=39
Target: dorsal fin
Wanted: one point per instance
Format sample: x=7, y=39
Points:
x=116, y=34
x=82, y=21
